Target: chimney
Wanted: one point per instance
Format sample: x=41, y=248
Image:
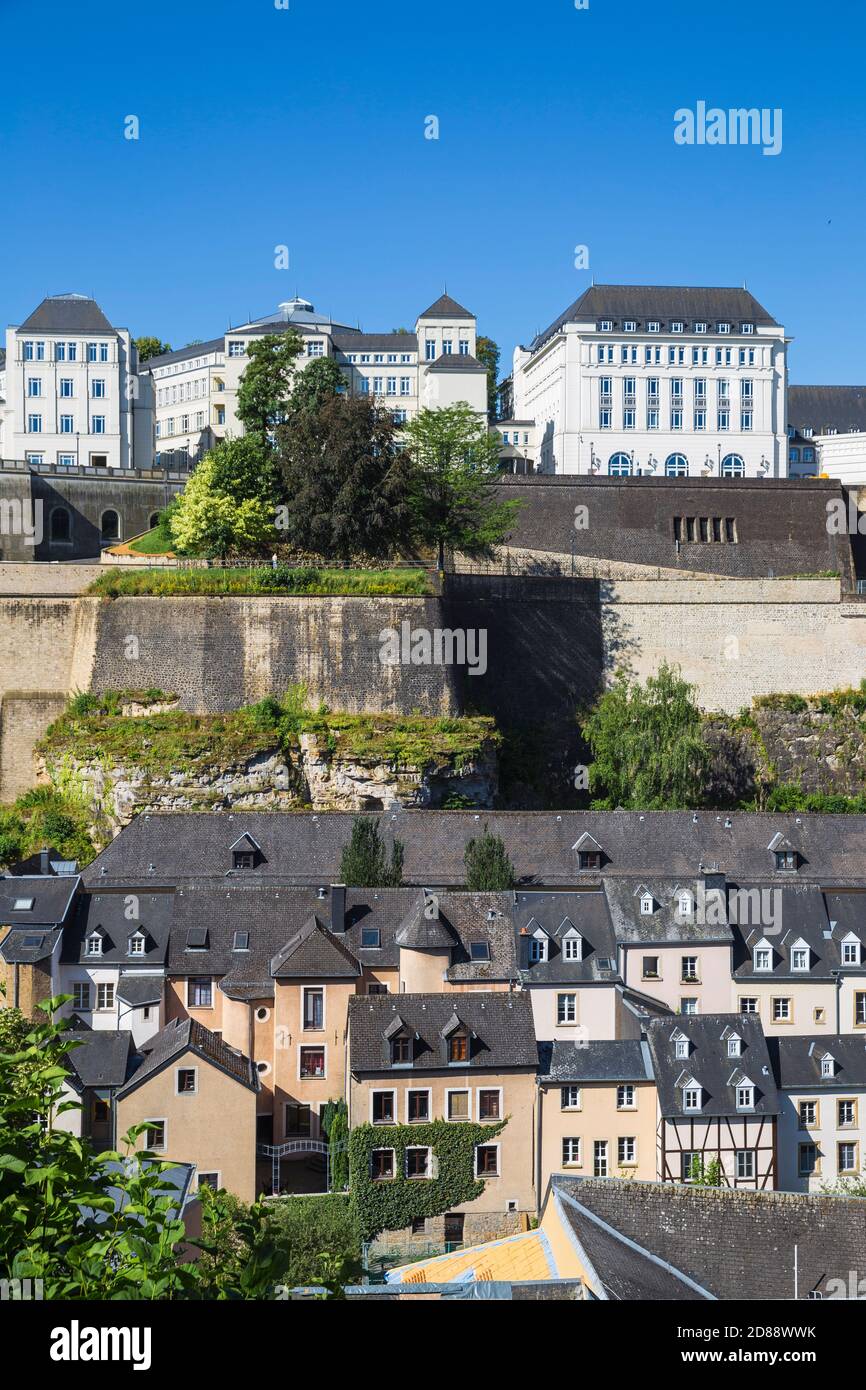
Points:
x=44, y=862
x=338, y=907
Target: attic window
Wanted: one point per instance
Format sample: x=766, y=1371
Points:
x=691, y=1098
x=787, y=860
x=241, y=941
x=735, y=1047
x=401, y=1050
x=23, y=905
x=196, y=939
x=799, y=957
x=646, y=905
x=685, y=904
x=94, y=945
x=370, y=938
x=571, y=948
x=745, y=1097
x=589, y=859
x=681, y=1047
x=135, y=946
x=458, y=1047
x=828, y=1066
x=850, y=952
x=243, y=859
x=479, y=950
x=33, y=941
x=762, y=958
x=538, y=949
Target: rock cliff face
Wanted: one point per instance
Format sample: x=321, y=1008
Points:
x=314, y=777
x=816, y=745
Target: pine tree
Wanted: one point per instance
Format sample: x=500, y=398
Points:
x=364, y=863
x=488, y=867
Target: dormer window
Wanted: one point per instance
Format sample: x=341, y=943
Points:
x=850, y=950
x=762, y=958
x=800, y=956
x=692, y=1097
x=538, y=949
x=677, y=326
x=828, y=1066
x=629, y=326
x=700, y=328
x=735, y=1047
x=589, y=859
x=653, y=326
x=94, y=944
x=681, y=1047
x=747, y=328
x=745, y=1097
x=686, y=904
x=401, y=1050
x=572, y=947
x=605, y=326
x=646, y=905
x=724, y=328
x=243, y=859
x=458, y=1047
x=136, y=944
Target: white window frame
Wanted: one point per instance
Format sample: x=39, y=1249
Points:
x=742, y=1154
x=384, y=1149
x=209, y=1173
x=305, y=990
x=745, y=1098
x=379, y=1091
x=108, y=987
x=199, y=980
x=571, y=1109
x=423, y=1090
x=626, y=1162
x=453, y=1090
x=571, y=1162
x=84, y=986
x=692, y=1091
x=626, y=1105
x=563, y=997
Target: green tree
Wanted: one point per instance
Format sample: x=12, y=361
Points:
x=319, y=382
x=647, y=744
x=227, y=503
x=713, y=1174
x=338, y=1147
x=487, y=865
x=364, y=862
x=456, y=460
x=346, y=480
x=266, y=384
x=488, y=354
x=150, y=347
x=696, y=1169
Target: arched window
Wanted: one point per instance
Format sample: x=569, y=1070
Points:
x=109, y=527
x=676, y=466
x=733, y=466
x=619, y=466
x=60, y=525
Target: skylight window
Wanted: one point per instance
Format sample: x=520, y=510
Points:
x=479, y=950
x=23, y=905
x=370, y=937
x=241, y=941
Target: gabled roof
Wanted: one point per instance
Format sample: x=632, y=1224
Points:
x=314, y=952
x=827, y=409
x=67, y=313
x=446, y=308
x=797, y=1062
x=709, y=1065
x=104, y=1057
x=504, y=1035
x=188, y=1035
x=247, y=843
x=548, y=913
x=50, y=897
x=736, y=1245
x=105, y=915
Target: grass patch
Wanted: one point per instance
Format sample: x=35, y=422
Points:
x=92, y=730
x=155, y=542
x=263, y=580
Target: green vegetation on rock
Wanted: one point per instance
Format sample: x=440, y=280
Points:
x=262, y=580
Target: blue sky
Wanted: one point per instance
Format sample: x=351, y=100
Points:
x=305, y=127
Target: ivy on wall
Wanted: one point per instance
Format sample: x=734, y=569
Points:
x=393, y=1203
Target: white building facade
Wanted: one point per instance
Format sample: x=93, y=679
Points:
x=195, y=390
x=665, y=381
x=74, y=396
x=827, y=433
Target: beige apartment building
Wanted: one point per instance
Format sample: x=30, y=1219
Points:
x=596, y=1110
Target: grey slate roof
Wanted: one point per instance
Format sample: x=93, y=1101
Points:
x=314, y=952
x=52, y=897
x=184, y=1035
x=104, y=1057
x=280, y=921
x=621, y=1059
x=165, y=359
x=688, y=304
x=139, y=989
x=446, y=308
x=738, y=1245
x=376, y=342
x=423, y=928
x=797, y=1062
x=801, y=916
x=67, y=313
x=27, y=945
x=456, y=362
x=107, y=913
x=556, y=914
x=620, y=1269
x=665, y=923
x=709, y=1065
x=827, y=409
x=501, y=1022
x=304, y=848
